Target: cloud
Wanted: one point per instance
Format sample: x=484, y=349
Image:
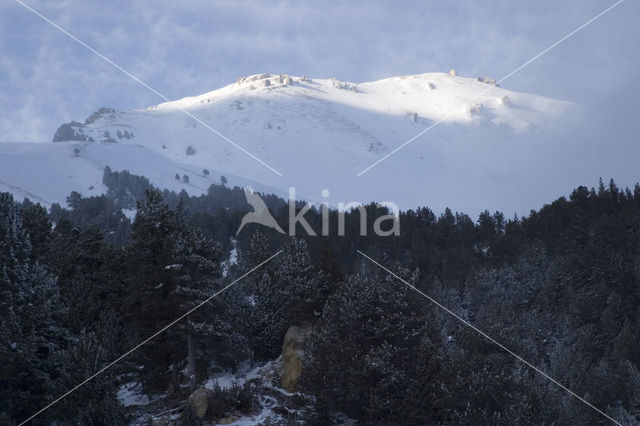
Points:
x=186, y=48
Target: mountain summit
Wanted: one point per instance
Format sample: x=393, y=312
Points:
x=318, y=132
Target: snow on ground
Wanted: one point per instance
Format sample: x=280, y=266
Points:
x=131, y=394
x=48, y=172
x=244, y=373
x=274, y=402
x=267, y=374
x=318, y=133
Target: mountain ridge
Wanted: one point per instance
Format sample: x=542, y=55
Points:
x=321, y=132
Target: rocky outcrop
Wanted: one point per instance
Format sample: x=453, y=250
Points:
x=344, y=85
x=505, y=101
x=98, y=114
x=487, y=80
x=254, y=77
x=69, y=132
x=474, y=109
x=292, y=356
x=198, y=402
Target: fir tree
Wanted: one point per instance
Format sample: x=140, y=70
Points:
x=30, y=335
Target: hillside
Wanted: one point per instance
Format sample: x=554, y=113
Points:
x=319, y=134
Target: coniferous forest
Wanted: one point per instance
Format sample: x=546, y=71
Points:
x=83, y=284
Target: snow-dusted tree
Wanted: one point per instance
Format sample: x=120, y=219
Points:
x=373, y=336
x=29, y=305
x=176, y=269
x=151, y=301
x=97, y=403
x=281, y=296
x=207, y=332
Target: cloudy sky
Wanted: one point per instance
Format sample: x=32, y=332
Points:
x=190, y=47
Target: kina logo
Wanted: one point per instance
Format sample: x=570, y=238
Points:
x=260, y=213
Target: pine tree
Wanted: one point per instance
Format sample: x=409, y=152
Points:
x=370, y=335
x=197, y=263
x=282, y=295
x=30, y=335
x=151, y=304
x=97, y=403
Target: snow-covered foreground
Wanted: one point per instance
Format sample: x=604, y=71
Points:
x=319, y=134
x=271, y=398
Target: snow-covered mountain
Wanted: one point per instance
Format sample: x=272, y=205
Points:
x=318, y=133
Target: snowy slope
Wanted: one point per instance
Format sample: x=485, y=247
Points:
x=319, y=133
x=47, y=173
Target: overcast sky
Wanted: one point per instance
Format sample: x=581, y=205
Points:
x=190, y=47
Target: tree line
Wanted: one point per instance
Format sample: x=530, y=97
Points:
x=82, y=284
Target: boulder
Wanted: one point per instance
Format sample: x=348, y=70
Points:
x=292, y=356
x=474, y=109
x=487, y=80
x=198, y=401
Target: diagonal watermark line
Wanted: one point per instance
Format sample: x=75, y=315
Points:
x=128, y=74
x=163, y=329
x=491, y=339
x=451, y=111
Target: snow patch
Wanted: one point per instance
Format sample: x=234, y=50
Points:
x=131, y=394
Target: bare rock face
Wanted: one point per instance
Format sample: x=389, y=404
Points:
x=344, y=85
x=474, y=109
x=505, y=101
x=487, y=80
x=292, y=354
x=69, y=132
x=199, y=401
